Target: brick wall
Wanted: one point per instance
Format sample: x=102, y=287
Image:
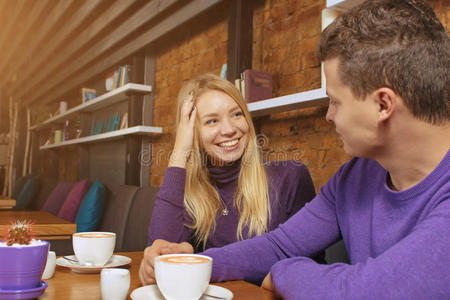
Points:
x=285, y=37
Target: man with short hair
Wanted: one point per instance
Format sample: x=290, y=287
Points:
x=387, y=67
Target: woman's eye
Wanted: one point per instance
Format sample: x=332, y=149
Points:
x=237, y=114
x=212, y=121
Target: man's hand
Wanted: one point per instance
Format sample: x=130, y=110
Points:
x=159, y=247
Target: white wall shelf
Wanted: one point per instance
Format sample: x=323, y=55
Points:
x=135, y=130
x=107, y=99
x=343, y=5
x=310, y=98
x=317, y=97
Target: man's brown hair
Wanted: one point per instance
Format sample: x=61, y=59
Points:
x=399, y=44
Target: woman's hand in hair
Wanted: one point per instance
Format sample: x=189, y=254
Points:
x=185, y=134
x=159, y=247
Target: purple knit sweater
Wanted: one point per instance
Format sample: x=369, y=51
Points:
x=398, y=242
x=290, y=187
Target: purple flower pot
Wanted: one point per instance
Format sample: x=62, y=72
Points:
x=22, y=267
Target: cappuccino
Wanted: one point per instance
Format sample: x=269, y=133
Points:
x=183, y=276
x=185, y=259
x=94, y=235
x=93, y=248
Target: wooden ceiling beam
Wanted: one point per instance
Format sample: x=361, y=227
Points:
x=40, y=86
x=27, y=55
x=75, y=20
x=37, y=10
x=187, y=12
x=10, y=28
x=99, y=24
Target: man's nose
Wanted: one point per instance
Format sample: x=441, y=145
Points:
x=330, y=114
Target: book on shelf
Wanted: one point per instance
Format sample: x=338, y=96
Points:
x=124, y=121
x=109, y=81
x=120, y=77
x=254, y=85
x=88, y=94
x=257, y=85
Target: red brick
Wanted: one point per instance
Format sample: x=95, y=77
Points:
x=278, y=12
x=290, y=65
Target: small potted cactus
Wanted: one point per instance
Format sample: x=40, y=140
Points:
x=22, y=258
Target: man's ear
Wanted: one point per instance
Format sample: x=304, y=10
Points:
x=385, y=99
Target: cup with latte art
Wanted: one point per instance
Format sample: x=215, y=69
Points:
x=183, y=276
x=93, y=248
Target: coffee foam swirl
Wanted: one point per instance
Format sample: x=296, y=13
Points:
x=185, y=259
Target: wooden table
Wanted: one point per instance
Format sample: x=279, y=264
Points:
x=68, y=285
x=7, y=203
x=46, y=226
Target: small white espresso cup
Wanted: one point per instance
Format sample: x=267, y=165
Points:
x=49, y=270
x=183, y=276
x=93, y=248
x=114, y=283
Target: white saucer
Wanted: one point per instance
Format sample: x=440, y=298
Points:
x=115, y=261
x=151, y=292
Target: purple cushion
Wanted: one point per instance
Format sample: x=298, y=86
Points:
x=57, y=197
x=69, y=209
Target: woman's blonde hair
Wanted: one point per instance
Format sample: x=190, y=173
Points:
x=201, y=199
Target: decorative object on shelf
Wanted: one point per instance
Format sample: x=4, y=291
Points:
x=78, y=132
x=88, y=94
x=22, y=257
x=62, y=107
x=58, y=136
x=124, y=121
x=66, y=131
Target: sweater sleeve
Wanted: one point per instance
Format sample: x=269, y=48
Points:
x=169, y=216
x=310, y=230
x=417, y=267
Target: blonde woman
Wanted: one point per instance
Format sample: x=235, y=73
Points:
x=216, y=189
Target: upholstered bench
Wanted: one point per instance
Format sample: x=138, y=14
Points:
x=127, y=212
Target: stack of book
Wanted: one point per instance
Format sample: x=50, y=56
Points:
x=255, y=85
x=118, y=78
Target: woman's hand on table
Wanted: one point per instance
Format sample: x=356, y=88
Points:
x=159, y=247
x=185, y=134
x=267, y=283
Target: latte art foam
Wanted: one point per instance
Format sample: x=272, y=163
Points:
x=185, y=259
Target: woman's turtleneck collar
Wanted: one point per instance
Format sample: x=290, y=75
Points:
x=226, y=174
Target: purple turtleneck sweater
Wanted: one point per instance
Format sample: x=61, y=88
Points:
x=290, y=187
x=398, y=241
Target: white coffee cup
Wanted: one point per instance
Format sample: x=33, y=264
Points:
x=49, y=270
x=183, y=276
x=114, y=283
x=93, y=248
